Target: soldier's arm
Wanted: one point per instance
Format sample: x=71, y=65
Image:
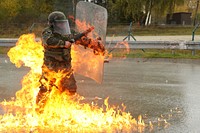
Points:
x=95, y=44
x=51, y=41
x=81, y=38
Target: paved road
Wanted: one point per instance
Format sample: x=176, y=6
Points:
x=148, y=87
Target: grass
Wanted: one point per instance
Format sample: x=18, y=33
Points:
x=152, y=30
x=148, y=53
x=152, y=53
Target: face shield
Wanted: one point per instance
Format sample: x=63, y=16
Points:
x=62, y=27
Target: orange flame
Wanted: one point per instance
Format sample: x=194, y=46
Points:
x=121, y=45
x=61, y=112
x=124, y=44
x=83, y=59
x=82, y=26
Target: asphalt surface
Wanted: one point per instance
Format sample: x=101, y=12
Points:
x=155, y=88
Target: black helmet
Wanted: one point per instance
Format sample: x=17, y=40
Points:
x=55, y=17
x=58, y=21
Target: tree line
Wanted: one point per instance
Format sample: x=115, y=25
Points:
x=28, y=11
x=139, y=10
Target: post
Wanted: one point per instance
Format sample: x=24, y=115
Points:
x=31, y=28
x=173, y=52
x=193, y=34
x=193, y=52
x=129, y=33
x=194, y=30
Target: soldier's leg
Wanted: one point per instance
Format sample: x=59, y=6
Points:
x=69, y=84
x=43, y=92
x=41, y=97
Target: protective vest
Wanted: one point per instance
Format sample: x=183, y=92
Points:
x=54, y=50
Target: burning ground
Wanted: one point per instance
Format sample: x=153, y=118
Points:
x=147, y=88
x=61, y=112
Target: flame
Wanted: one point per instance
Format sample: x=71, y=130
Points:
x=61, y=112
x=82, y=26
x=125, y=45
x=120, y=45
x=29, y=53
x=83, y=59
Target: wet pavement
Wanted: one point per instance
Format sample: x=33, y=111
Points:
x=155, y=88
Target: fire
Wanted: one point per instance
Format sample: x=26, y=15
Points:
x=82, y=26
x=124, y=45
x=83, y=59
x=29, y=53
x=124, y=50
x=61, y=112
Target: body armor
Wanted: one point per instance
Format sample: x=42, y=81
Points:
x=57, y=58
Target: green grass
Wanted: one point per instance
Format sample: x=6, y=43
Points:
x=152, y=30
x=150, y=53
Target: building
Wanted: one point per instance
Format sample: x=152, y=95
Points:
x=179, y=18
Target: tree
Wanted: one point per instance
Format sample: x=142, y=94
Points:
x=27, y=11
x=9, y=9
x=24, y=11
x=161, y=7
x=124, y=10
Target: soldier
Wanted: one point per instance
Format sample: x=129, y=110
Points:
x=57, y=41
x=57, y=47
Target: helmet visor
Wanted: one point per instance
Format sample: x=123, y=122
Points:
x=62, y=27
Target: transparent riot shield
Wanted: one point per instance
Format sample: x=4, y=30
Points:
x=84, y=61
x=93, y=15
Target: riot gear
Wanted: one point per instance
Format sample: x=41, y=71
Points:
x=58, y=21
x=57, y=40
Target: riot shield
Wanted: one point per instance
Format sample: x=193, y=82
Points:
x=84, y=61
x=94, y=15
